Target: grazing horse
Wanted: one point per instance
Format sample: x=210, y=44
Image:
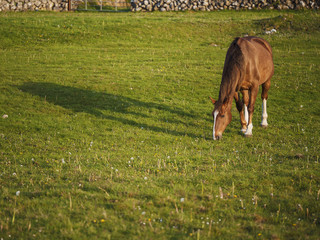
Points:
x=248, y=65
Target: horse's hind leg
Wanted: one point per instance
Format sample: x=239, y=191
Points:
x=242, y=109
x=264, y=97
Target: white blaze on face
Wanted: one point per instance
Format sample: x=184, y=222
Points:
x=215, y=114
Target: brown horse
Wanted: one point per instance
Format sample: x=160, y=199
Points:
x=248, y=65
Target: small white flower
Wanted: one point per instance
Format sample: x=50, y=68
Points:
x=271, y=31
x=5, y=116
x=181, y=199
x=17, y=193
x=301, y=106
x=14, y=174
x=62, y=160
x=132, y=158
x=143, y=213
x=145, y=178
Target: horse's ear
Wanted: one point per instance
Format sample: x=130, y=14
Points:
x=213, y=101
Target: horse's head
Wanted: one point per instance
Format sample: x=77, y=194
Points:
x=221, y=118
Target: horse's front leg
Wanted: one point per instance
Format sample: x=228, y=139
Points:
x=252, y=99
x=246, y=100
x=242, y=112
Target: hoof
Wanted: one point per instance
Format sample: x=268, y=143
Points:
x=243, y=130
x=264, y=126
x=249, y=131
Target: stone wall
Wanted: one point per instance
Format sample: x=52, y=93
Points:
x=212, y=5
x=165, y=5
x=33, y=5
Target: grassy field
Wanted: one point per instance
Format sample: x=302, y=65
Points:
x=106, y=128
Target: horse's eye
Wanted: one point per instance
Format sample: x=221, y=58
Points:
x=222, y=116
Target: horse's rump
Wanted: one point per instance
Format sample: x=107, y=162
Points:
x=257, y=55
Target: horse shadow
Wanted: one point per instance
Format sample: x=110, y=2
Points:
x=106, y=106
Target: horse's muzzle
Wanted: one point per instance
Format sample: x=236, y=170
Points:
x=218, y=137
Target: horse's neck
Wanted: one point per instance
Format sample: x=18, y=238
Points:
x=227, y=92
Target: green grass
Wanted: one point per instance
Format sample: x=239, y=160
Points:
x=108, y=134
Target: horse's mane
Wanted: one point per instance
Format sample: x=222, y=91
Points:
x=232, y=75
